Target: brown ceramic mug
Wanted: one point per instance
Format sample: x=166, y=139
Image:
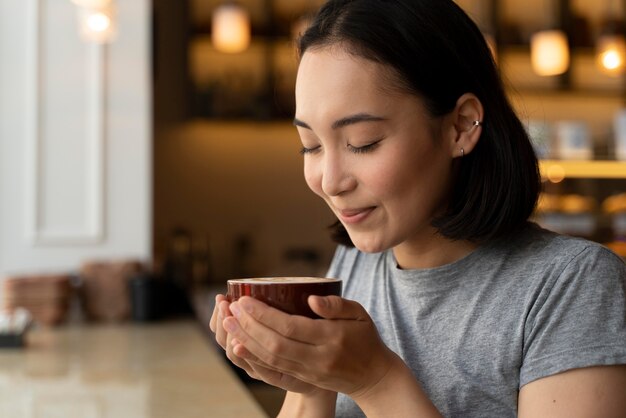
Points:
x=289, y=294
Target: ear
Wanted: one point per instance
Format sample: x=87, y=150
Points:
x=464, y=125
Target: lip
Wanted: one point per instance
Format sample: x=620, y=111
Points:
x=354, y=216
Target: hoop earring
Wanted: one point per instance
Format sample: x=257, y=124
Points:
x=462, y=152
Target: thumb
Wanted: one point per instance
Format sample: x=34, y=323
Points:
x=335, y=307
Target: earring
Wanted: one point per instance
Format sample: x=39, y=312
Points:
x=474, y=124
x=462, y=152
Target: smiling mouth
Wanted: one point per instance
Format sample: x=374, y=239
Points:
x=354, y=216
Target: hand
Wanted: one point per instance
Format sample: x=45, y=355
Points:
x=342, y=352
x=254, y=370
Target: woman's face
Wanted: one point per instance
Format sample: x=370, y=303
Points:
x=370, y=151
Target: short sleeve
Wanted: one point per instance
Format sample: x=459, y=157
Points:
x=580, y=320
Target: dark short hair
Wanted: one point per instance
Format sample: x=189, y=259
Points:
x=438, y=53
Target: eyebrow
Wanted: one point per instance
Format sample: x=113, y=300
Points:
x=348, y=120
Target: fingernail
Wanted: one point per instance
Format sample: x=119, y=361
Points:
x=234, y=308
x=231, y=326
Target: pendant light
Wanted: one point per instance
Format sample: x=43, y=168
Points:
x=611, y=45
x=549, y=52
x=230, y=30
x=96, y=20
x=611, y=53
x=549, y=49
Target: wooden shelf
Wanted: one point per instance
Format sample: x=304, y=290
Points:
x=583, y=169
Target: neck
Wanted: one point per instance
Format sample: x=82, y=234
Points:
x=434, y=252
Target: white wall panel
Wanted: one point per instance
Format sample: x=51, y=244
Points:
x=65, y=152
x=75, y=138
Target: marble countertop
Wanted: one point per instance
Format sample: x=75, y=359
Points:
x=166, y=369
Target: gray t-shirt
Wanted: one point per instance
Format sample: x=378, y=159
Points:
x=475, y=331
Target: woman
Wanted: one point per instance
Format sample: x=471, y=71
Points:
x=454, y=304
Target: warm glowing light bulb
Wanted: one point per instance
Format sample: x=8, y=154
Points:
x=556, y=173
x=98, y=22
x=611, y=60
x=611, y=54
x=549, y=52
x=231, y=28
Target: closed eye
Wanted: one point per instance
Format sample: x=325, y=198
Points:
x=365, y=148
x=305, y=150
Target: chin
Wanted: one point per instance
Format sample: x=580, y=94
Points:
x=368, y=245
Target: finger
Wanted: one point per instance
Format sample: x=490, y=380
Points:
x=214, y=316
x=271, y=348
x=272, y=377
x=220, y=333
x=335, y=307
x=267, y=374
x=242, y=352
x=253, y=361
x=253, y=366
x=237, y=360
x=294, y=327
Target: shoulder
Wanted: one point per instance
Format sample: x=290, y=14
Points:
x=557, y=266
x=538, y=249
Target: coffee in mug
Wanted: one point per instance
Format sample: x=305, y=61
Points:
x=289, y=294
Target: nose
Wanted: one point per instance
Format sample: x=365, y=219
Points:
x=337, y=177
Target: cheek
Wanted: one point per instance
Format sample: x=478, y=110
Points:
x=406, y=178
x=383, y=179
x=423, y=180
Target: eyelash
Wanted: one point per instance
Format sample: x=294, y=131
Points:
x=364, y=149
x=357, y=150
x=305, y=150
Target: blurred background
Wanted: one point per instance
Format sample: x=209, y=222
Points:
x=147, y=153
x=164, y=136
